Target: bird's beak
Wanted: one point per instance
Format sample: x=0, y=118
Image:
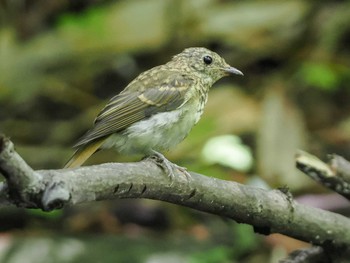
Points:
x=232, y=70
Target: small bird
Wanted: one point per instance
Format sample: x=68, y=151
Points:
x=157, y=110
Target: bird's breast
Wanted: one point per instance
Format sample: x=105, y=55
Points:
x=161, y=131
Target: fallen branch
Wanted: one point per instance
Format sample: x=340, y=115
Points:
x=271, y=211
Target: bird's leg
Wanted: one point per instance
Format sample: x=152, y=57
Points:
x=168, y=166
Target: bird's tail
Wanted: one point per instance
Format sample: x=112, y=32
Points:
x=83, y=153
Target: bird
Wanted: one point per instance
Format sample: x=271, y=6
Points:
x=156, y=110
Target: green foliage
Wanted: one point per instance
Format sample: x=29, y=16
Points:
x=92, y=20
x=49, y=215
x=244, y=241
x=320, y=75
x=217, y=254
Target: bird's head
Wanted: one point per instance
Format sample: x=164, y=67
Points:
x=205, y=63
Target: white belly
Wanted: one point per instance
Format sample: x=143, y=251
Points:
x=160, y=132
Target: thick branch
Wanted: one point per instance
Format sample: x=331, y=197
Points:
x=20, y=177
x=268, y=211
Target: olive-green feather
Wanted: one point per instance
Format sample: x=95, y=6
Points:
x=131, y=106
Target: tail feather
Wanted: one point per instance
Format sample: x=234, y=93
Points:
x=83, y=153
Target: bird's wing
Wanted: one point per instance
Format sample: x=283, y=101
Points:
x=131, y=106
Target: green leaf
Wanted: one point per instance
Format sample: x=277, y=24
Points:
x=320, y=75
x=53, y=214
x=217, y=254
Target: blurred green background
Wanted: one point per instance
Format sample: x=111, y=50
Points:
x=60, y=62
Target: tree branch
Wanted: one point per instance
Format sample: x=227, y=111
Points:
x=271, y=211
x=308, y=255
x=335, y=175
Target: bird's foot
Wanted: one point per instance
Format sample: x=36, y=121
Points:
x=168, y=166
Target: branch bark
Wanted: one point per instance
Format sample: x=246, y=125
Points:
x=308, y=255
x=335, y=175
x=269, y=211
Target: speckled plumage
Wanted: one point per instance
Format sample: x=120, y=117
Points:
x=157, y=109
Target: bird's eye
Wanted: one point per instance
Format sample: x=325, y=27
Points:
x=207, y=60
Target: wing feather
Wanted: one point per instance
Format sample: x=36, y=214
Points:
x=131, y=106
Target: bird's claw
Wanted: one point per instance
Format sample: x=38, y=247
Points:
x=168, y=166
